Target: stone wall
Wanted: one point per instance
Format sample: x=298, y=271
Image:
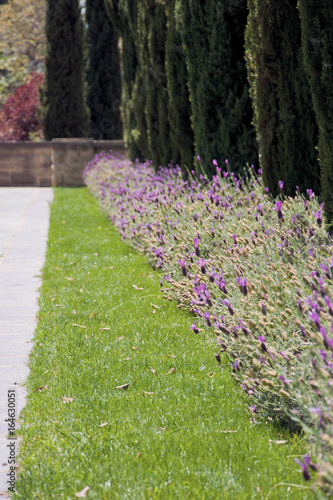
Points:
x=59, y=162
x=25, y=163
x=70, y=156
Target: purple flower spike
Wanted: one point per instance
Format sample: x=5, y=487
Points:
x=278, y=206
x=215, y=163
x=263, y=308
x=242, y=283
x=196, y=246
x=262, y=339
x=235, y=366
x=313, y=315
x=230, y=309
x=194, y=327
x=183, y=266
x=318, y=217
x=206, y=316
x=286, y=382
x=303, y=331
x=202, y=263
x=281, y=186
x=308, y=462
x=304, y=468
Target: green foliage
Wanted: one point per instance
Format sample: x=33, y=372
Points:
x=213, y=40
x=123, y=15
x=152, y=48
x=103, y=76
x=284, y=118
x=317, y=38
x=180, y=111
x=64, y=112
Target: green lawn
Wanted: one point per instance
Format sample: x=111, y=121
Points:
x=177, y=431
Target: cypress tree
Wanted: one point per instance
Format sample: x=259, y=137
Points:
x=284, y=118
x=152, y=59
x=317, y=38
x=103, y=75
x=213, y=40
x=124, y=16
x=64, y=112
x=180, y=111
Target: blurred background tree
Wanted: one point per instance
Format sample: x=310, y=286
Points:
x=103, y=74
x=22, y=43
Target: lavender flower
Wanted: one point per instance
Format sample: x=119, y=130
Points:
x=207, y=318
x=242, y=283
x=196, y=246
x=194, y=327
x=278, y=206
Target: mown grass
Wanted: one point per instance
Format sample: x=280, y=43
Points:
x=173, y=443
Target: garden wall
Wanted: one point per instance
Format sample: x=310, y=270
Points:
x=58, y=162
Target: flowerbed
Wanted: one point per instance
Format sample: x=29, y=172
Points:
x=256, y=273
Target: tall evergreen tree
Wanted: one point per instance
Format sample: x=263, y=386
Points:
x=124, y=16
x=103, y=75
x=213, y=39
x=317, y=38
x=152, y=58
x=179, y=109
x=64, y=112
x=284, y=118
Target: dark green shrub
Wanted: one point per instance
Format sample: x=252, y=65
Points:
x=64, y=113
x=317, y=38
x=284, y=118
x=180, y=111
x=213, y=40
x=103, y=75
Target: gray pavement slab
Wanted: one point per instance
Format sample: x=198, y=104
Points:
x=24, y=222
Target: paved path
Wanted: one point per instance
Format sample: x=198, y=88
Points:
x=24, y=221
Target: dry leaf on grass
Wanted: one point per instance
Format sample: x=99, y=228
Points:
x=156, y=307
x=124, y=386
x=277, y=442
x=67, y=400
x=79, y=326
x=149, y=393
x=41, y=388
x=227, y=432
x=82, y=493
x=139, y=454
x=135, y=348
x=103, y=425
x=163, y=428
x=211, y=374
x=136, y=288
x=170, y=356
x=170, y=371
x=104, y=329
x=152, y=370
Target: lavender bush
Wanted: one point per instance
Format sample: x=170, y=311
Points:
x=254, y=272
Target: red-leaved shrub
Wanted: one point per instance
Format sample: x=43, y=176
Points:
x=18, y=117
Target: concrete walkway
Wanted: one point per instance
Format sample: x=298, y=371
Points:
x=24, y=222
